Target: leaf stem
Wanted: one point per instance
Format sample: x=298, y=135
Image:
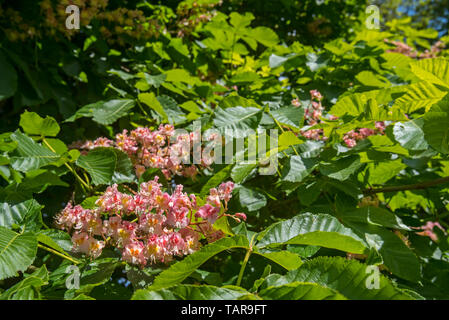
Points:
x=68, y=166
x=58, y=253
x=280, y=127
x=415, y=186
x=245, y=261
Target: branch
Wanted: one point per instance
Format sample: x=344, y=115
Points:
x=416, y=186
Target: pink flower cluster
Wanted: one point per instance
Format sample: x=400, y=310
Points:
x=405, y=49
x=312, y=116
x=151, y=149
x=351, y=137
x=428, y=230
x=165, y=226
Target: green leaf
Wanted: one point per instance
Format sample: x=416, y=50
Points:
x=251, y=199
x=353, y=104
x=190, y=292
x=432, y=70
x=265, y=36
x=150, y=100
x=312, y=229
x=287, y=139
x=124, y=170
x=171, y=108
x=241, y=171
x=26, y=214
x=347, y=277
x=33, y=124
x=367, y=78
x=290, y=116
x=85, y=111
x=286, y=259
x=17, y=251
x=375, y=216
x=342, y=168
x=55, y=239
x=297, y=169
x=436, y=130
x=8, y=80
x=396, y=256
x=180, y=270
x=300, y=291
x=93, y=274
x=100, y=164
x=419, y=95
x=410, y=134
x=31, y=154
x=237, y=120
x=29, y=287
x=112, y=110
x=154, y=81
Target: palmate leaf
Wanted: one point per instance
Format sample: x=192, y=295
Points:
x=182, y=269
x=17, y=251
x=300, y=291
x=312, y=229
x=31, y=154
x=100, y=164
x=347, y=277
x=191, y=292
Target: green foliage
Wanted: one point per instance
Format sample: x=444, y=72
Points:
x=330, y=210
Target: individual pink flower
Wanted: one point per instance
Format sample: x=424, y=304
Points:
x=225, y=190
x=208, y=213
x=316, y=95
x=83, y=243
x=240, y=215
x=214, y=197
x=151, y=223
x=134, y=253
x=296, y=102
x=428, y=230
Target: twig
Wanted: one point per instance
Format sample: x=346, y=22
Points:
x=416, y=186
